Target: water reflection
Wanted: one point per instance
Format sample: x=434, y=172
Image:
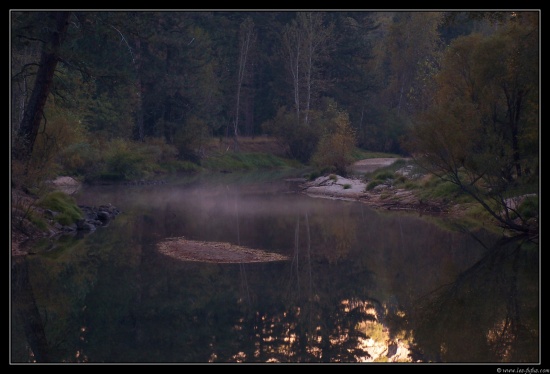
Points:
x=493, y=306
x=28, y=323
x=355, y=277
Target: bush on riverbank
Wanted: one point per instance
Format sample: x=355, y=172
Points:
x=428, y=189
x=63, y=207
x=123, y=160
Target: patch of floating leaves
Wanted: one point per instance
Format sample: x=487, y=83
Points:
x=217, y=252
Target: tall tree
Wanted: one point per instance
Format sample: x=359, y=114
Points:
x=49, y=58
x=136, y=30
x=305, y=44
x=482, y=130
x=352, y=69
x=412, y=45
x=107, y=58
x=246, y=40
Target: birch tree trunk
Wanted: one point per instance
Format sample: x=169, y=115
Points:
x=292, y=47
x=246, y=39
x=305, y=42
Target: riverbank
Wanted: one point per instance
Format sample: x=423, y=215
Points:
x=383, y=193
x=382, y=196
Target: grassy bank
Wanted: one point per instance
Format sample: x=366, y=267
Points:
x=462, y=208
x=246, y=161
x=361, y=154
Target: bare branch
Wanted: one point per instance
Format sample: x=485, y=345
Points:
x=122, y=38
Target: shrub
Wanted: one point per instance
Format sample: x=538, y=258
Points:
x=401, y=179
x=125, y=160
x=529, y=208
x=124, y=164
x=372, y=184
x=299, y=138
x=313, y=175
x=156, y=150
x=384, y=175
x=335, y=149
x=58, y=201
x=80, y=159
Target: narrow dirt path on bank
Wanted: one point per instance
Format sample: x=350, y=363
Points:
x=371, y=164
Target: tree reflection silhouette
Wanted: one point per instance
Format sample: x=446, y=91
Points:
x=463, y=322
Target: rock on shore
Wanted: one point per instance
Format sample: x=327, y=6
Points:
x=384, y=196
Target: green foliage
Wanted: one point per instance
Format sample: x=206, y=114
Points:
x=58, y=201
x=155, y=150
x=117, y=81
x=313, y=175
x=370, y=186
x=301, y=139
x=401, y=179
x=245, y=161
x=335, y=149
x=380, y=177
x=469, y=135
x=384, y=175
x=529, y=208
x=189, y=138
x=346, y=186
x=126, y=160
x=62, y=131
x=445, y=188
x=122, y=163
x=361, y=154
x=111, y=114
x=333, y=177
x=387, y=171
x=80, y=159
x=38, y=221
x=383, y=131
x=410, y=185
x=398, y=164
x=179, y=166
x=434, y=188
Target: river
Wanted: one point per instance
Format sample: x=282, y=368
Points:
x=357, y=285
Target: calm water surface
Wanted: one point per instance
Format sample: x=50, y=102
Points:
x=354, y=276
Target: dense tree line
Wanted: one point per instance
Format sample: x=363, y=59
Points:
x=451, y=88
x=183, y=75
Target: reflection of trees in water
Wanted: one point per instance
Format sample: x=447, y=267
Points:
x=48, y=291
x=143, y=307
x=495, y=322
x=335, y=233
x=25, y=312
x=318, y=323
x=309, y=315
x=308, y=332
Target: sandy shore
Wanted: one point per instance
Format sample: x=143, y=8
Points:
x=355, y=188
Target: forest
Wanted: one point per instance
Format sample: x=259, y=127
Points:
x=122, y=95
